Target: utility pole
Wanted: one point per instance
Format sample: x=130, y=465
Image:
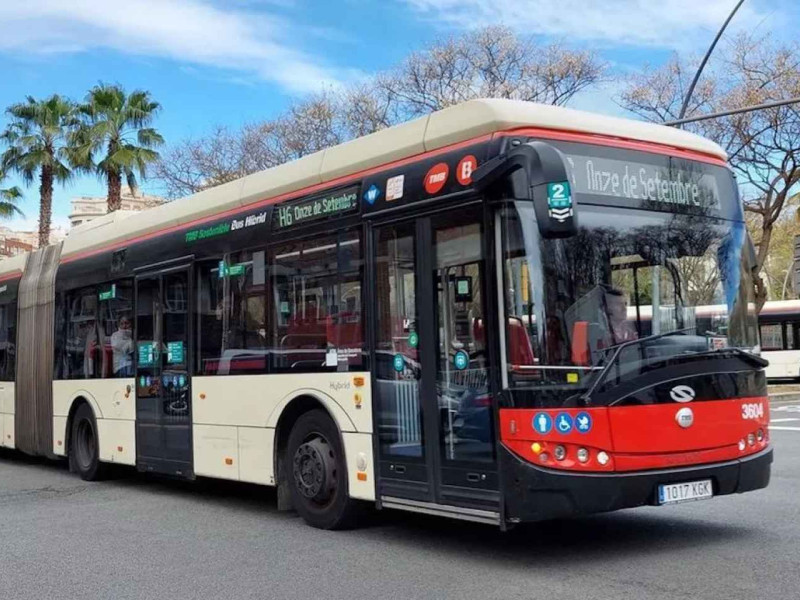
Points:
x=703, y=63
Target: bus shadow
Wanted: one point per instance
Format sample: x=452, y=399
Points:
x=546, y=544
x=550, y=543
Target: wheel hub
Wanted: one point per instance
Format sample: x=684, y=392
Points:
x=314, y=470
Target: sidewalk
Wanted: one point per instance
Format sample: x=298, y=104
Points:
x=784, y=393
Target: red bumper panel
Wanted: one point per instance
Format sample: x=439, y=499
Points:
x=639, y=437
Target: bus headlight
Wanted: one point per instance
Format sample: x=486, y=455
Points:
x=560, y=452
x=583, y=455
x=602, y=458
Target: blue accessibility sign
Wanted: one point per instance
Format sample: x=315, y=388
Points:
x=583, y=422
x=399, y=363
x=372, y=194
x=542, y=423
x=563, y=423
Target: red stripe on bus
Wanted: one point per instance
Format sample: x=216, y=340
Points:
x=596, y=139
x=11, y=275
x=276, y=199
x=617, y=142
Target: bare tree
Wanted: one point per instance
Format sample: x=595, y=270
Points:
x=224, y=155
x=763, y=146
x=491, y=62
x=196, y=164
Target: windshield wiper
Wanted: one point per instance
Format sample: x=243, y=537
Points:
x=586, y=396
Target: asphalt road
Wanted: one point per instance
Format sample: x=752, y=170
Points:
x=140, y=537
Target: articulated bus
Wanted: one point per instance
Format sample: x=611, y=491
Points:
x=431, y=318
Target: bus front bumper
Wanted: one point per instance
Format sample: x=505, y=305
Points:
x=533, y=493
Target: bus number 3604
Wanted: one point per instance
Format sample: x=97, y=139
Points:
x=753, y=411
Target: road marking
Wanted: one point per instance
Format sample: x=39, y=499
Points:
x=786, y=408
x=784, y=428
x=783, y=420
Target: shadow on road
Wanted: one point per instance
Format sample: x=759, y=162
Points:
x=548, y=544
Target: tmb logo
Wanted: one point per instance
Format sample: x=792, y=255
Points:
x=436, y=177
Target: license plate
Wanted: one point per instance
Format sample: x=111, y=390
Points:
x=675, y=493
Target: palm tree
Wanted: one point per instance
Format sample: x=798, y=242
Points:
x=118, y=124
x=38, y=140
x=8, y=199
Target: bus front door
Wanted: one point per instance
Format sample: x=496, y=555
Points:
x=163, y=396
x=434, y=416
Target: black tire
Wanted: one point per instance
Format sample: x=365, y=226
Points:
x=316, y=472
x=84, y=451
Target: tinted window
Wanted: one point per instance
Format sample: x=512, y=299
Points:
x=8, y=341
x=83, y=354
x=772, y=337
x=315, y=298
x=116, y=328
x=232, y=315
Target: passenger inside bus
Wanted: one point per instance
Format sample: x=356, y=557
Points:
x=122, y=348
x=616, y=305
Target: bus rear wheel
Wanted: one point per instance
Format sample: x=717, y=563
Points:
x=317, y=473
x=84, y=452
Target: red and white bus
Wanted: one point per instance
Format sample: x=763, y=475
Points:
x=431, y=318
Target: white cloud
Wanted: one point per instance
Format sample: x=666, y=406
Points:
x=188, y=31
x=659, y=23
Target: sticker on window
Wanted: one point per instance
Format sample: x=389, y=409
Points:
x=175, y=354
x=147, y=354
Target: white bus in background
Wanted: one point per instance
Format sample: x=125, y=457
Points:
x=778, y=325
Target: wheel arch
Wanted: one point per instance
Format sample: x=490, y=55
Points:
x=78, y=399
x=283, y=419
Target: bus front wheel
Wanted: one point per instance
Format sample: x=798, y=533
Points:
x=84, y=452
x=317, y=473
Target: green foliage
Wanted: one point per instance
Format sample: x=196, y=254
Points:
x=8, y=199
x=38, y=137
x=778, y=266
x=38, y=144
x=115, y=139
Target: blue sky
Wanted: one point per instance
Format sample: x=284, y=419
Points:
x=212, y=62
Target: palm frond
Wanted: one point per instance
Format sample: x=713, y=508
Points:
x=149, y=137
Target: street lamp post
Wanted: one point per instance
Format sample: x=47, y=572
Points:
x=705, y=60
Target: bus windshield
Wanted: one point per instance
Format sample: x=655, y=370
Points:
x=627, y=275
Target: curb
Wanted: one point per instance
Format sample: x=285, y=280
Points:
x=784, y=397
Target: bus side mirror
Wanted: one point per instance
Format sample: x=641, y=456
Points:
x=537, y=172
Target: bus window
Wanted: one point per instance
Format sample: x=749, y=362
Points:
x=8, y=341
x=772, y=337
x=83, y=350
x=116, y=328
x=232, y=327
x=316, y=304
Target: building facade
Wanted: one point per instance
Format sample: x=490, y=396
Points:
x=86, y=208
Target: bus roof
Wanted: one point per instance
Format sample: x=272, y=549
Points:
x=781, y=307
x=452, y=125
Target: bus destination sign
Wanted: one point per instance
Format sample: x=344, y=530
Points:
x=684, y=184
x=306, y=210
